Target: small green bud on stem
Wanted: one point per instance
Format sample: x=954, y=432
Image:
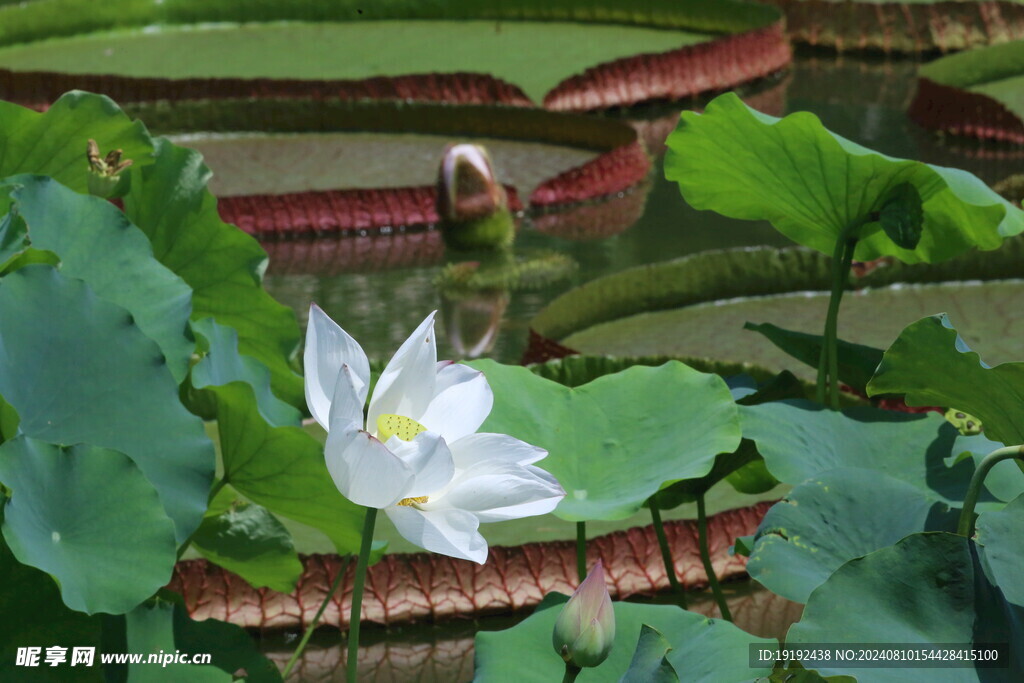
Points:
x=585, y=629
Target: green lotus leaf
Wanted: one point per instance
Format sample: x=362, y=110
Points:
x=1000, y=532
x=223, y=266
x=902, y=215
x=617, y=440
x=705, y=650
x=162, y=625
x=169, y=202
x=53, y=142
x=753, y=478
x=280, y=468
x=927, y=588
x=744, y=469
x=96, y=243
x=993, y=395
x=725, y=465
x=8, y=421
x=87, y=516
x=248, y=540
x=78, y=370
x=857, y=362
x=799, y=440
x=42, y=620
x=650, y=661
x=811, y=184
x=224, y=364
x=13, y=237
x=834, y=517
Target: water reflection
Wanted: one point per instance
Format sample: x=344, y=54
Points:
x=429, y=653
x=471, y=322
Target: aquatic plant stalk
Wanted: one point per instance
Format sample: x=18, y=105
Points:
x=316, y=619
x=666, y=554
x=705, y=556
x=832, y=323
x=828, y=363
x=966, y=525
x=581, y=551
x=571, y=672
x=352, y=665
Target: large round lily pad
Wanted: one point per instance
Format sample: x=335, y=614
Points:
x=871, y=317
x=252, y=164
x=534, y=55
x=978, y=93
x=544, y=48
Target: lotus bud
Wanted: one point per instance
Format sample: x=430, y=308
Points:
x=471, y=203
x=585, y=629
x=467, y=188
x=105, y=178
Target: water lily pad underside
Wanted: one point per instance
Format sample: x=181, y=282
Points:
x=984, y=311
x=978, y=94
x=903, y=26
x=534, y=55
x=424, y=586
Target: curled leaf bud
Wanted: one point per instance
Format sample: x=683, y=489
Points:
x=585, y=630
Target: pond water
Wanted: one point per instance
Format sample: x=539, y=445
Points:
x=862, y=99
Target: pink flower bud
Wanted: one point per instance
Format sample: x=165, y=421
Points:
x=585, y=629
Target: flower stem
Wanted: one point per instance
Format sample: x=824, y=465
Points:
x=966, y=526
x=581, y=550
x=705, y=556
x=842, y=258
x=571, y=672
x=833, y=358
x=357, y=595
x=316, y=619
x=666, y=554
x=828, y=365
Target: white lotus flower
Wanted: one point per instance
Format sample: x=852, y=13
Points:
x=418, y=456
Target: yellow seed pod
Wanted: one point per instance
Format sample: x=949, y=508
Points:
x=403, y=427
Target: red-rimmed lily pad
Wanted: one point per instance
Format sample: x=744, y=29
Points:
x=903, y=26
x=570, y=56
x=975, y=94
